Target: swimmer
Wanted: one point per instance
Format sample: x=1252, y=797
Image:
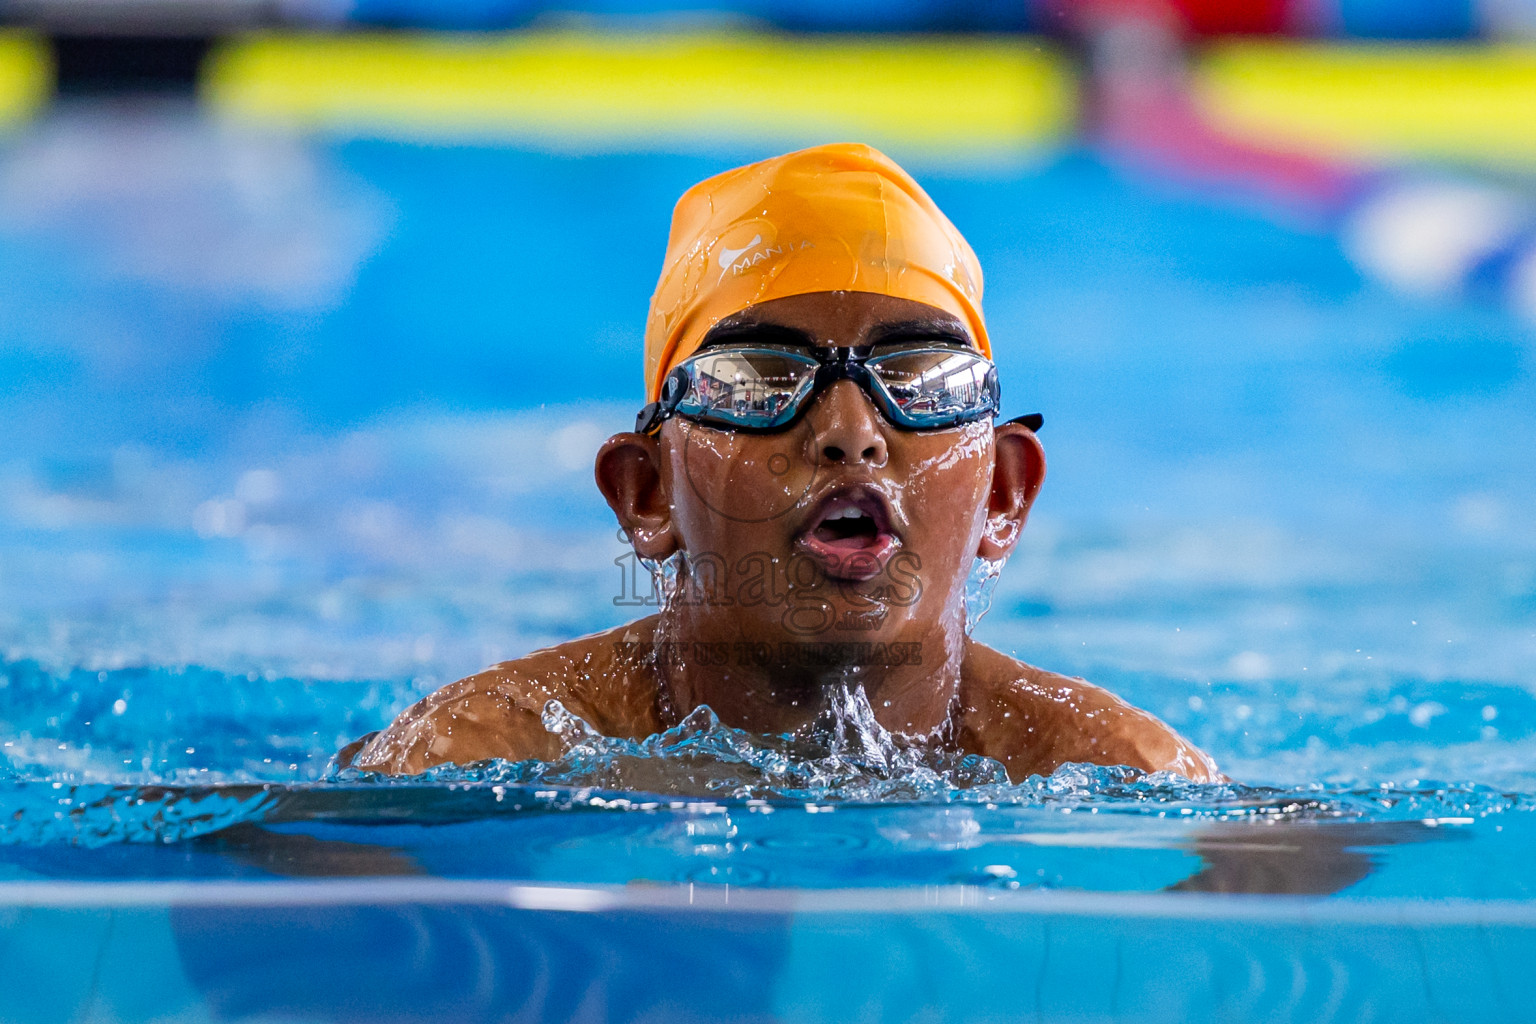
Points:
x=819, y=462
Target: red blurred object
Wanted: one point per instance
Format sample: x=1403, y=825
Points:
x=1141, y=111
x=1191, y=17
x=1235, y=17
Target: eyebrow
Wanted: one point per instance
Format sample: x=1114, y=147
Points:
x=944, y=330
x=727, y=331
x=768, y=333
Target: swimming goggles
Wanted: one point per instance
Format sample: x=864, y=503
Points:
x=762, y=389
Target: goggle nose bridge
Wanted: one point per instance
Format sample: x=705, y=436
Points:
x=842, y=364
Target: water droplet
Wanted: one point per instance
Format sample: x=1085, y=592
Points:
x=978, y=590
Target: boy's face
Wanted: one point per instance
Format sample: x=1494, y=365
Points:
x=842, y=527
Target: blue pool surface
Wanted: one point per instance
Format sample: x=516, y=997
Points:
x=298, y=429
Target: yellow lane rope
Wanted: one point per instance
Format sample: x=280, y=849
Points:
x=26, y=76
x=1465, y=103
x=586, y=90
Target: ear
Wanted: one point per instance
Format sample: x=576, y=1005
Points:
x=1018, y=471
x=628, y=472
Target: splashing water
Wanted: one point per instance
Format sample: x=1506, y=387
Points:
x=664, y=576
x=844, y=758
x=155, y=755
x=843, y=754
x=979, y=586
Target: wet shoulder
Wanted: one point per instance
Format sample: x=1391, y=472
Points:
x=608, y=678
x=605, y=678
x=1034, y=721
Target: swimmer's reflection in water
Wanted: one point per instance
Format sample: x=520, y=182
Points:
x=821, y=428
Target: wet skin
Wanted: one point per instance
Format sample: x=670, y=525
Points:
x=795, y=549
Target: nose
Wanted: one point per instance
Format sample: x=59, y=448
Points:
x=846, y=428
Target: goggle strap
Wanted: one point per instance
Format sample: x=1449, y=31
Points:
x=1032, y=420
x=672, y=391
x=649, y=419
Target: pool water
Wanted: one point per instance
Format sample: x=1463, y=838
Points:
x=298, y=429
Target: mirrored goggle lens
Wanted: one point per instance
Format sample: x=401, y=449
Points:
x=937, y=386
x=758, y=388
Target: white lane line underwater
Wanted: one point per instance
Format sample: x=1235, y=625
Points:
x=1307, y=910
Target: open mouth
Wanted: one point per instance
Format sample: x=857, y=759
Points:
x=850, y=533
x=847, y=527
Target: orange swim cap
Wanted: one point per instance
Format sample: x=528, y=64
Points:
x=831, y=218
